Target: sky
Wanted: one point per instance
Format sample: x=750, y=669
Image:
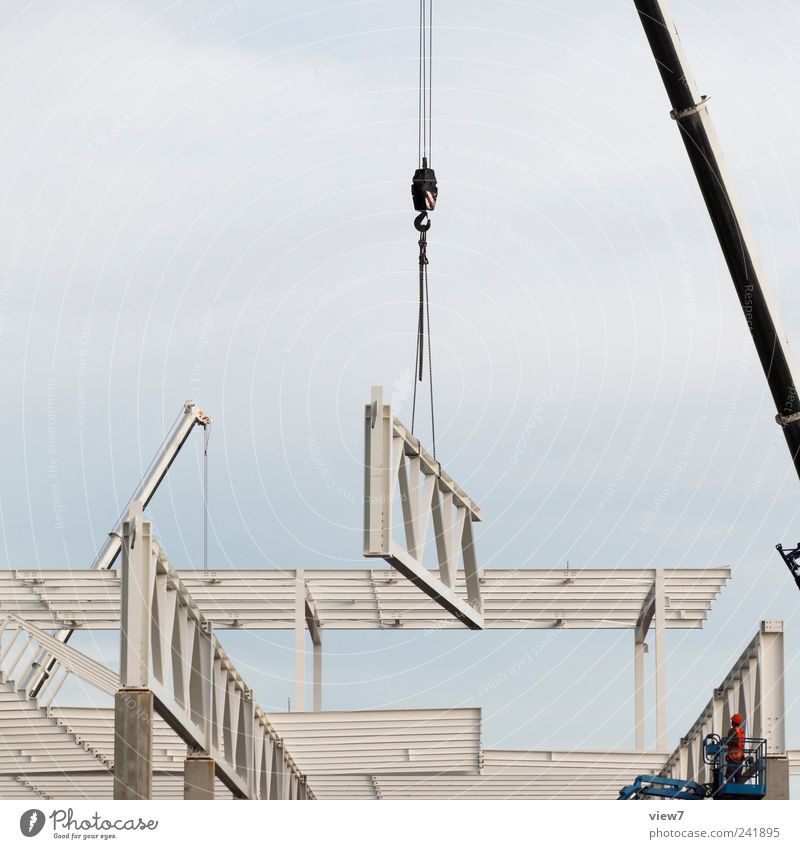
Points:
x=210, y=200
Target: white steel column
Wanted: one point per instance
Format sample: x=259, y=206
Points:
x=138, y=567
x=772, y=706
x=317, y=676
x=638, y=677
x=299, y=641
x=661, y=685
x=640, y=631
x=315, y=631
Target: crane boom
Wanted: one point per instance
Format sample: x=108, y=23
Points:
x=192, y=416
x=691, y=115
x=44, y=665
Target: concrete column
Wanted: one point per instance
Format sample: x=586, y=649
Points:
x=638, y=679
x=198, y=777
x=133, y=744
x=777, y=778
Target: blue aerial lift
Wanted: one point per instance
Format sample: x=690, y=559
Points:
x=746, y=781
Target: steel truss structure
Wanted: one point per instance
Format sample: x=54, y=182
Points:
x=754, y=688
x=396, y=464
x=642, y=600
x=64, y=752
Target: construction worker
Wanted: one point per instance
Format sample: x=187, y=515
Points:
x=734, y=754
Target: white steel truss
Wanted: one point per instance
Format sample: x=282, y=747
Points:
x=168, y=647
x=395, y=460
x=753, y=688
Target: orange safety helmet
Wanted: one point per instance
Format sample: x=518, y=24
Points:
x=736, y=719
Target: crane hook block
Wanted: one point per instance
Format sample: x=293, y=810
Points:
x=423, y=188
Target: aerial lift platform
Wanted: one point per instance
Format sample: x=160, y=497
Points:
x=748, y=782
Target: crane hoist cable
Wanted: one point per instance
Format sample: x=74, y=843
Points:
x=424, y=193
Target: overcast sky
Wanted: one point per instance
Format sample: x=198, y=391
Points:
x=210, y=200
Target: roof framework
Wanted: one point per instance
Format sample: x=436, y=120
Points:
x=67, y=752
x=356, y=599
x=359, y=599
x=510, y=775
x=383, y=741
x=344, y=755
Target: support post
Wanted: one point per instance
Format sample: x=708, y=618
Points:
x=318, y=676
x=772, y=710
x=661, y=685
x=315, y=631
x=133, y=744
x=198, y=778
x=777, y=778
x=138, y=573
x=638, y=677
x=299, y=641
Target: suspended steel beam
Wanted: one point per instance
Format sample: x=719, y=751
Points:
x=690, y=112
x=397, y=464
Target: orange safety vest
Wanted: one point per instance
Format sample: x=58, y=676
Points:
x=736, y=745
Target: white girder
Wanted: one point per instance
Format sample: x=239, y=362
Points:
x=397, y=466
x=354, y=599
x=753, y=688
